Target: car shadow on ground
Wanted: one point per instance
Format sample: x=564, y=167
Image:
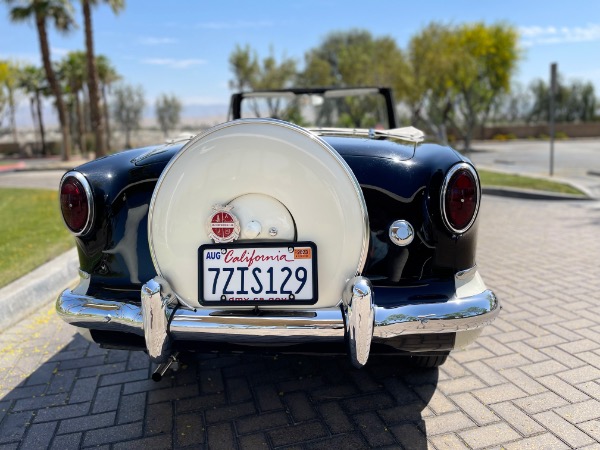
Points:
x=86, y=396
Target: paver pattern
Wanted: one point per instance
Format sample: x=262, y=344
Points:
x=532, y=380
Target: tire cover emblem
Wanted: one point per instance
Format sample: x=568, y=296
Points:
x=223, y=226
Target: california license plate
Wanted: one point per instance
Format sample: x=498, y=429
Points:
x=257, y=273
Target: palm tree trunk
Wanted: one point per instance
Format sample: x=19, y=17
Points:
x=34, y=122
x=11, y=110
x=41, y=122
x=86, y=110
x=106, y=117
x=60, y=104
x=95, y=113
x=80, y=125
x=127, y=138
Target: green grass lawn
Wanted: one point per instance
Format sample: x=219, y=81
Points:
x=489, y=178
x=31, y=231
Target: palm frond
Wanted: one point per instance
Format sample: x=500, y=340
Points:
x=22, y=13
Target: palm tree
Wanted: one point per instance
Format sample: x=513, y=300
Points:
x=33, y=82
x=3, y=96
x=95, y=111
x=60, y=13
x=107, y=75
x=73, y=71
x=9, y=78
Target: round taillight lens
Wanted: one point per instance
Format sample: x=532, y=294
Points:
x=74, y=204
x=460, y=198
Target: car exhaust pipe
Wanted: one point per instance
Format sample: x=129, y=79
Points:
x=172, y=363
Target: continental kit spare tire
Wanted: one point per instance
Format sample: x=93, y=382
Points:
x=275, y=176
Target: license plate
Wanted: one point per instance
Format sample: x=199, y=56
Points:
x=257, y=273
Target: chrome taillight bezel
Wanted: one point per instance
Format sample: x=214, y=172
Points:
x=463, y=166
x=90, y=204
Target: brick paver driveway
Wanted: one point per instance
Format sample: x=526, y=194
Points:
x=531, y=381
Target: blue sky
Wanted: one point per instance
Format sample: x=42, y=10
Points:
x=182, y=47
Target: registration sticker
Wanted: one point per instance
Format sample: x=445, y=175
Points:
x=303, y=253
x=258, y=273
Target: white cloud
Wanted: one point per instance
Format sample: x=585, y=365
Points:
x=234, y=25
x=157, y=41
x=174, y=63
x=535, y=35
x=58, y=52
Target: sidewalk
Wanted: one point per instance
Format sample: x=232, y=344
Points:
x=531, y=380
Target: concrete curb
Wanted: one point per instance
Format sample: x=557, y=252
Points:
x=37, y=288
x=13, y=167
x=529, y=194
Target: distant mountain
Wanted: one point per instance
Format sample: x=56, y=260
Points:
x=194, y=114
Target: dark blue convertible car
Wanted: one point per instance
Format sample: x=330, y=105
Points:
x=307, y=223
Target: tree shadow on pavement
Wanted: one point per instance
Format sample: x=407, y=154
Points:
x=86, y=396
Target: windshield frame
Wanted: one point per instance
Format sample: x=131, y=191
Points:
x=235, y=110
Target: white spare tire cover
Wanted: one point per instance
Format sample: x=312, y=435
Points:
x=266, y=162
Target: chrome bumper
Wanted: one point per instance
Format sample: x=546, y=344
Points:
x=358, y=320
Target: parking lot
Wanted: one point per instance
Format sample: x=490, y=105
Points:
x=532, y=380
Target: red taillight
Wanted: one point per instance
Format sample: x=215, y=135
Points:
x=461, y=198
x=74, y=204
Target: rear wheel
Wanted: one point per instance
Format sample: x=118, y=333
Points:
x=427, y=361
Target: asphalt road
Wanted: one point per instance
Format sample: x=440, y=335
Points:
x=38, y=179
x=532, y=380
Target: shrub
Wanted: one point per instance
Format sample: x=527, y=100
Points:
x=504, y=137
x=561, y=135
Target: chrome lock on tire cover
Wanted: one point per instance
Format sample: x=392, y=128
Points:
x=283, y=182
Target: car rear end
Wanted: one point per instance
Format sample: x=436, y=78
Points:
x=369, y=249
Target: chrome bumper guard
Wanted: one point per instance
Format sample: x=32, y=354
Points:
x=358, y=320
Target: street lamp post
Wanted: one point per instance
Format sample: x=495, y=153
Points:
x=551, y=124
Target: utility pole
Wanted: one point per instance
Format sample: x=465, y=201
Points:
x=551, y=124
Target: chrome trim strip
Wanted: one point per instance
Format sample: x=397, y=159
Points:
x=282, y=327
x=157, y=150
x=451, y=172
x=90, y=203
x=466, y=274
